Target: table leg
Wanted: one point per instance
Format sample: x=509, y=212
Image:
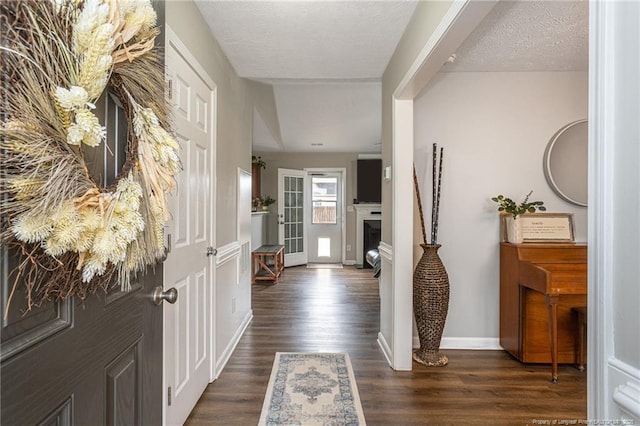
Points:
x=253, y=268
x=552, y=309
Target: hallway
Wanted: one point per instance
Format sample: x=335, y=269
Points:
x=337, y=310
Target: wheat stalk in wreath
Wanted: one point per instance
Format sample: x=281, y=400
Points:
x=72, y=237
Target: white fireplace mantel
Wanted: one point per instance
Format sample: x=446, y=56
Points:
x=364, y=212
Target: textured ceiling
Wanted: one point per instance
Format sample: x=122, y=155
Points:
x=528, y=36
x=325, y=58
x=308, y=39
x=338, y=117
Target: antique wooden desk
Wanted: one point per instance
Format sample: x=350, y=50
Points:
x=539, y=284
x=267, y=263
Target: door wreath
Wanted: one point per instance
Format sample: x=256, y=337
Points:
x=71, y=236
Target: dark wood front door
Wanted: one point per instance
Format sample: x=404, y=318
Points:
x=91, y=362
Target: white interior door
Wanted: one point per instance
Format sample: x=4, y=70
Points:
x=324, y=194
x=189, y=267
x=291, y=216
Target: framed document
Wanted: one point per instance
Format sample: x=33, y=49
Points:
x=545, y=227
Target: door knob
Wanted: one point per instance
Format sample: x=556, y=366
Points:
x=170, y=295
x=211, y=251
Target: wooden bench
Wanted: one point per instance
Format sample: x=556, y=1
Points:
x=267, y=263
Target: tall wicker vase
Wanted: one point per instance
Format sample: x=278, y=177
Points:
x=430, y=305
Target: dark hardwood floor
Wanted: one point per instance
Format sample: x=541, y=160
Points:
x=337, y=310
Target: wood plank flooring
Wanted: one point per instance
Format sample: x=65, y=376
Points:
x=337, y=310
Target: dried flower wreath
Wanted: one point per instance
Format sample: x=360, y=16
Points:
x=71, y=236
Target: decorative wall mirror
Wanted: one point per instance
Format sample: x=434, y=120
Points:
x=565, y=163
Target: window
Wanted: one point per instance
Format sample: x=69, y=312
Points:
x=324, y=199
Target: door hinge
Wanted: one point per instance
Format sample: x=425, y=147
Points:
x=169, y=396
x=170, y=89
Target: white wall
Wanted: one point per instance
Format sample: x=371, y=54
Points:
x=494, y=128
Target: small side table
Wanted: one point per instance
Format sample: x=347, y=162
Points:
x=267, y=263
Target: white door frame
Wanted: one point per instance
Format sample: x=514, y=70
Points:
x=343, y=174
x=171, y=38
x=613, y=373
x=460, y=20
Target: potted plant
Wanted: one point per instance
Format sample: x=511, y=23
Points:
x=267, y=201
x=514, y=210
x=257, y=161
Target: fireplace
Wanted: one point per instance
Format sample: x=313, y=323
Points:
x=371, y=231
x=371, y=213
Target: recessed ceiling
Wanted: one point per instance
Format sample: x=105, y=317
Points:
x=339, y=117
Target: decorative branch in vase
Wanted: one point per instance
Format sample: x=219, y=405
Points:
x=514, y=210
x=430, y=279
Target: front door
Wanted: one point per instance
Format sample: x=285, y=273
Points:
x=291, y=216
x=91, y=362
x=325, y=220
x=189, y=264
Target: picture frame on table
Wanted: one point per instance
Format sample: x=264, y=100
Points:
x=543, y=228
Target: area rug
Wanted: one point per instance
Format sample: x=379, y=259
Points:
x=311, y=389
x=324, y=265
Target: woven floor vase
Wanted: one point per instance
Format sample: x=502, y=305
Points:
x=430, y=305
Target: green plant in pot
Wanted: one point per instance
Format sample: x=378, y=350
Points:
x=256, y=160
x=515, y=210
x=267, y=201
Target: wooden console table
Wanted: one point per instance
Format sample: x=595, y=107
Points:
x=267, y=263
x=539, y=284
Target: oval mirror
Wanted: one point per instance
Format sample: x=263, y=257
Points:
x=565, y=163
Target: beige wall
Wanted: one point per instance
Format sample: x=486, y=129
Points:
x=494, y=128
x=424, y=21
x=264, y=102
x=269, y=178
x=234, y=111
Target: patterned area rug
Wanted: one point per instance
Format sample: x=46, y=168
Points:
x=311, y=389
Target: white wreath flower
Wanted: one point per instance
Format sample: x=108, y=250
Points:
x=117, y=228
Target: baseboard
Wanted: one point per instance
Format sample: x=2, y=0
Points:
x=349, y=262
x=473, y=343
x=233, y=343
x=386, y=350
x=625, y=382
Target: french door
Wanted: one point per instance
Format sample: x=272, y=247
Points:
x=291, y=215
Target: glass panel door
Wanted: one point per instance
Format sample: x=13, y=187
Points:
x=324, y=236
x=291, y=216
